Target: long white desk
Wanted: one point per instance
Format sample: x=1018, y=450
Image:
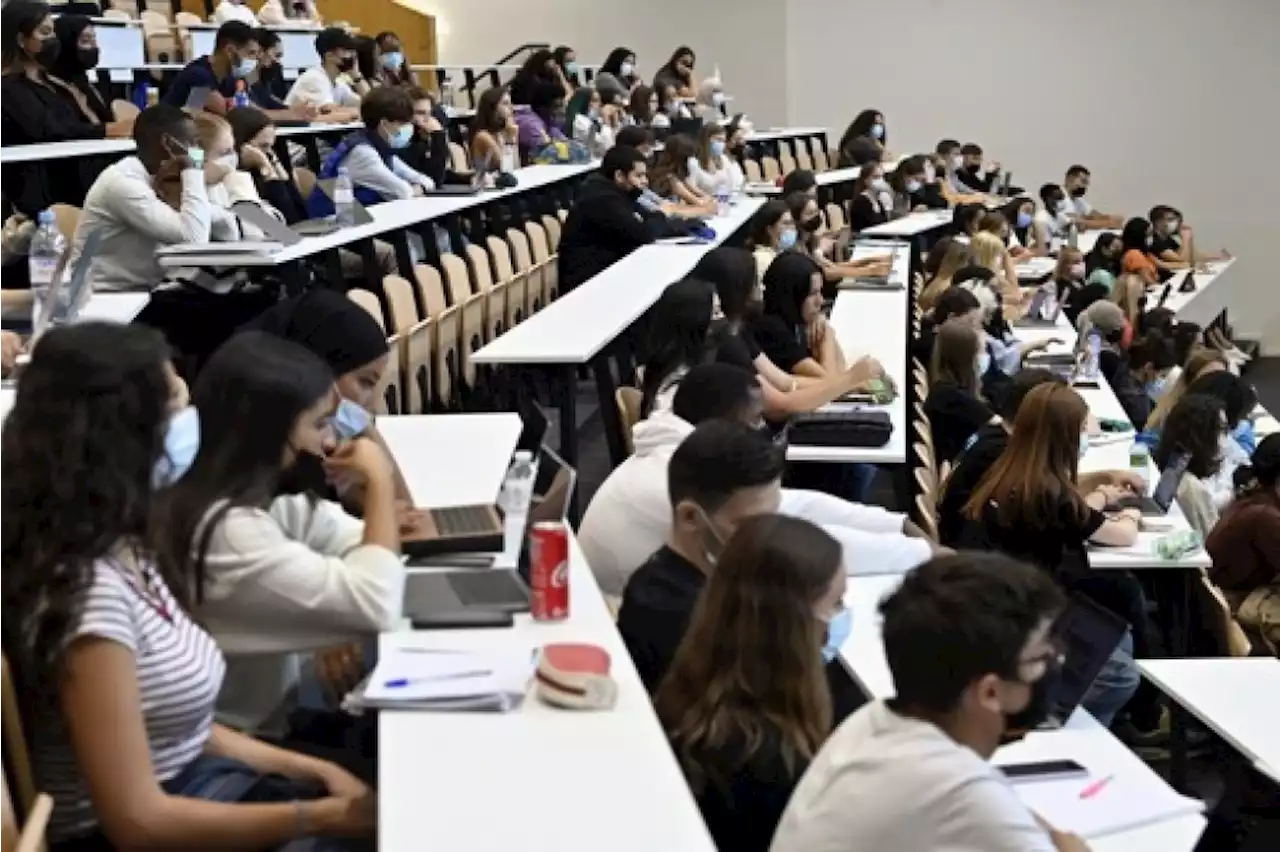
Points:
x=832, y=177
x=1236, y=697
x=774, y=134
x=1082, y=739
x=872, y=323
x=911, y=225
x=536, y=778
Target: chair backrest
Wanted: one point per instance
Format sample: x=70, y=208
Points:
x=458, y=159
x=752, y=170
x=456, y=278
x=16, y=756
x=835, y=216
x=769, y=168
x=1230, y=635
x=124, y=110
x=551, y=224
x=68, y=219
x=116, y=15
x=430, y=288
x=418, y=367
x=521, y=255
x=163, y=47
x=369, y=301
x=628, y=401
x=537, y=242
x=186, y=19
x=786, y=161
x=305, y=179
x=803, y=160
x=445, y=358
x=481, y=269
x=820, y=162
x=153, y=21
x=500, y=252
x=400, y=303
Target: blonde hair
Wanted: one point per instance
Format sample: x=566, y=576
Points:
x=209, y=127
x=1066, y=257
x=1127, y=293
x=956, y=256
x=1201, y=360
x=985, y=250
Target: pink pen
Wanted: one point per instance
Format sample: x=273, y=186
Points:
x=1096, y=787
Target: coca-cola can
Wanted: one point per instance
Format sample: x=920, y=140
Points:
x=549, y=571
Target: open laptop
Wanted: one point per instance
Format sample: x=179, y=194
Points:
x=1035, y=317
x=446, y=597
x=1087, y=634
x=1157, y=505
x=288, y=235
x=67, y=294
x=469, y=529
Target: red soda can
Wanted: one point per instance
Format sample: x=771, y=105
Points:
x=549, y=571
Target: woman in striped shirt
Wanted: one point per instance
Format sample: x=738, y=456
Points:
x=134, y=758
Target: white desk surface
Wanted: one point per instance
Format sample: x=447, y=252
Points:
x=387, y=216
x=452, y=459
x=1082, y=739
x=1086, y=240
x=910, y=225
x=1209, y=299
x=872, y=323
x=1112, y=453
x=1235, y=696
x=575, y=327
x=114, y=307
x=768, y=134
x=827, y=178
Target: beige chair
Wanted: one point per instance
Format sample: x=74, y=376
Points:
x=458, y=159
x=542, y=258
x=471, y=307
x=770, y=169
x=835, y=217
x=305, y=179
x=117, y=15
x=186, y=19
x=409, y=368
x=68, y=218
x=1230, y=635
x=482, y=283
x=522, y=259
x=504, y=279
x=803, y=160
x=31, y=838
x=388, y=392
x=820, y=162
x=128, y=7
x=163, y=47
x=752, y=170
x=553, y=225
x=628, y=401
x=154, y=21
x=444, y=343
x=786, y=161
x=124, y=110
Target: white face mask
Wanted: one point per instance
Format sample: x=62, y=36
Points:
x=230, y=161
x=627, y=69
x=957, y=161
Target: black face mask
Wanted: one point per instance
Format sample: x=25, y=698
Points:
x=347, y=64
x=1079, y=191
x=634, y=192
x=50, y=50
x=87, y=57
x=1043, y=693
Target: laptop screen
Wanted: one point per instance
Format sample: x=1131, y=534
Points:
x=1087, y=634
x=553, y=489
x=1170, y=479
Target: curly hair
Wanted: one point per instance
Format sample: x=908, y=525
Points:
x=79, y=448
x=1193, y=427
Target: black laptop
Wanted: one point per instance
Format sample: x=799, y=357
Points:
x=1157, y=505
x=1087, y=634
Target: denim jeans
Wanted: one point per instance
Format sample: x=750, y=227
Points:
x=1115, y=684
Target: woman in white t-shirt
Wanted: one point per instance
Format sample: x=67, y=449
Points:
x=1049, y=225
x=713, y=171
x=118, y=681
x=278, y=576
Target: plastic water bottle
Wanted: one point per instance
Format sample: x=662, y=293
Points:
x=47, y=247
x=1139, y=459
x=242, y=94
x=344, y=200
x=1073, y=234
x=517, y=489
x=1049, y=307
x=510, y=157
x=722, y=202
x=1094, y=366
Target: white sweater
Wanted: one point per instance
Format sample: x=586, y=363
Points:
x=728, y=178
x=293, y=579
x=630, y=516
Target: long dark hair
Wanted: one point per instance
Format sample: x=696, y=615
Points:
x=249, y=395
x=640, y=111
x=765, y=218
x=69, y=67
x=1097, y=258
x=734, y=274
x=533, y=72
x=673, y=163
x=18, y=20
x=1193, y=427
x=613, y=63
x=787, y=283
x=79, y=447
x=861, y=126
x=749, y=674
x=677, y=335
x=1134, y=235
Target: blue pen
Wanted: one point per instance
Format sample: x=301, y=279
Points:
x=401, y=682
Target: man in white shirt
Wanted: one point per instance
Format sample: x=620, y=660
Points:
x=1077, y=186
x=154, y=199
x=234, y=10
x=630, y=515
x=335, y=87
x=967, y=638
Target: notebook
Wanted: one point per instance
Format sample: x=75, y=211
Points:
x=445, y=679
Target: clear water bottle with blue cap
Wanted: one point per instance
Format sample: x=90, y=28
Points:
x=517, y=488
x=47, y=247
x=1093, y=365
x=344, y=200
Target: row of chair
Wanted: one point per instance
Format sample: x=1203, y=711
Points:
x=770, y=168
x=490, y=289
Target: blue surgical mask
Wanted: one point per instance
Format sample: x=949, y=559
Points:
x=393, y=60
x=787, y=239
x=1024, y=219
x=244, y=68
x=877, y=130
x=1156, y=388
x=913, y=185
x=350, y=420
x=570, y=68
x=717, y=147
x=1084, y=444
x=402, y=137
x=984, y=362
x=838, y=630
x=181, y=443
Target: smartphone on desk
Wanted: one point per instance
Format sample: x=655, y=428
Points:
x=1043, y=770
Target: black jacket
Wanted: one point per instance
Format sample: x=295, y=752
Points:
x=605, y=225
x=1132, y=396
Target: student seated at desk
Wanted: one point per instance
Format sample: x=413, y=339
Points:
x=369, y=157
x=866, y=130
x=674, y=341
x=1201, y=361
x=975, y=175
x=952, y=255
x=1237, y=440
x=492, y=130
x=538, y=70
x=1245, y=548
x=210, y=82
x=630, y=515
x=331, y=87
x=677, y=74
x=872, y=202
x=1137, y=239
x=643, y=107
x=393, y=65
x=745, y=703
x=1068, y=281
x=988, y=251
x=1050, y=223
x=1193, y=431
x=815, y=245
x=1076, y=185
x=78, y=57
x=234, y=10
x=428, y=151
x=967, y=641
x=1103, y=261
x=635, y=136
x=1129, y=295
x=255, y=140
x=621, y=63
x=954, y=303
x=1031, y=505
x=773, y=231
x=606, y=222
x=540, y=138
x=994, y=223
x=948, y=162
x=277, y=577
x=267, y=86
x=955, y=408
x=1137, y=376
x=672, y=178
x=39, y=107
x=1173, y=243
x=1020, y=214
x=118, y=679
x=591, y=118
x=791, y=328
x=915, y=182
x=713, y=172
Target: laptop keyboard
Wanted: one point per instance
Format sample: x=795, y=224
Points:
x=487, y=588
x=463, y=520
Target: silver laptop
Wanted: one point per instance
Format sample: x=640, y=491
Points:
x=289, y=235
x=443, y=598
x=68, y=294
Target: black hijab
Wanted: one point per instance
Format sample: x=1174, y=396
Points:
x=329, y=324
x=73, y=67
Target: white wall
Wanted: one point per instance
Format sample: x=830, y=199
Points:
x=737, y=36
x=1172, y=101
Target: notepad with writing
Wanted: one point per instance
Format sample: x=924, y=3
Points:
x=1128, y=800
x=426, y=679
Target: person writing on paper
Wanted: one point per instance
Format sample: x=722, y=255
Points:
x=210, y=82
x=607, y=220
x=493, y=131
x=968, y=643
x=713, y=172
x=1076, y=185
x=118, y=678
x=333, y=87
x=744, y=727
x=672, y=178
x=277, y=577
x=369, y=156
x=630, y=515
x=815, y=245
